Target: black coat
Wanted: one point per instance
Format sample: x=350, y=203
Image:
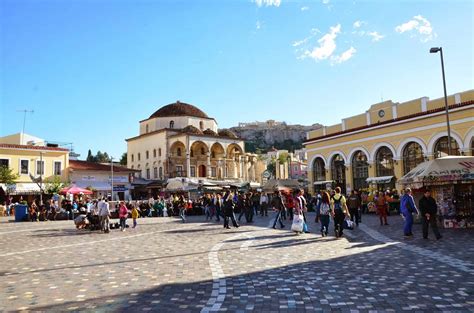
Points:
x=428, y=205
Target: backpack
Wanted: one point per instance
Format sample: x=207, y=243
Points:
x=337, y=203
x=324, y=209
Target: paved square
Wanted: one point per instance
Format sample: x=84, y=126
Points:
x=167, y=266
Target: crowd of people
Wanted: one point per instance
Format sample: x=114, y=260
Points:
x=234, y=207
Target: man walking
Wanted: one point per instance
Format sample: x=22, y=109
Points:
x=277, y=203
x=429, y=210
x=354, y=205
x=264, y=204
x=407, y=208
x=104, y=214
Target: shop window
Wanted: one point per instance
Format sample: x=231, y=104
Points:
x=24, y=166
x=441, y=147
x=384, y=162
x=412, y=156
x=179, y=171
x=319, y=172
x=193, y=171
x=57, y=168
x=360, y=170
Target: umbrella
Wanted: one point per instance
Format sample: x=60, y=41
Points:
x=74, y=190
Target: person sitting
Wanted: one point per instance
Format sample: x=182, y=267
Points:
x=81, y=221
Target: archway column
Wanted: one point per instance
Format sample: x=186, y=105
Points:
x=349, y=177
x=208, y=163
x=188, y=163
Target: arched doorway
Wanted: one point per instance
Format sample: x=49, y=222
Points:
x=441, y=147
x=412, y=156
x=202, y=171
x=319, y=174
x=360, y=170
x=338, y=172
x=384, y=166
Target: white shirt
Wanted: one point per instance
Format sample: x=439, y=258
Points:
x=104, y=209
x=263, y=199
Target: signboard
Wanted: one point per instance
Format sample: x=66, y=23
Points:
x=266, y=174
x=120, y=188
x=119, y=179
x=89, y=178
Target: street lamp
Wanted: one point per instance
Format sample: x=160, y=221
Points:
x=112, y=178
x=440, y=50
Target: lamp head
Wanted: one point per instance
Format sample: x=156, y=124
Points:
x=434, y=50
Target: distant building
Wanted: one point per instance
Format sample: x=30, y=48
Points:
x=34, y=162
x=180, y=140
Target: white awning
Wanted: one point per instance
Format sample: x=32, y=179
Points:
x=21, y=188
x=379, y=180
x=323, y=182
x=96, y=185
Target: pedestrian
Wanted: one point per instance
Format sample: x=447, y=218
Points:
x=340, y=212
x=325, y=212
x=263, y=204
x=34, y=211
x=104, y=215
x=407, y=208
x=242, y=206
x=382, y=207
x=353, y=202
x=255, y=198
x=317, y=204
x=279, y=207
x=229, y=204
x=123, y=214
x=429, y=210
x=301, y=202
x=182, y=204
x=218, y=207
x=135, y=215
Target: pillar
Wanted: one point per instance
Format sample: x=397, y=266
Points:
x=208, y=167
x=398, y=171
x=349, y=177
x=188, y=164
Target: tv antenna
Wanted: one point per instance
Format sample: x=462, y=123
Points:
x=24, y=120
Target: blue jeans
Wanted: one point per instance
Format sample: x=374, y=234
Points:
x=278, y=219
x=123, y=222
x=407, y=225
x=182, y=214
x=324, y=223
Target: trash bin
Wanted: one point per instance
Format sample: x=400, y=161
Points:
x=21, y=213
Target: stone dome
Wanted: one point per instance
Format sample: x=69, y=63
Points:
x=192, y=130
x=227, y=133
x=179, y=109
x=210, y=132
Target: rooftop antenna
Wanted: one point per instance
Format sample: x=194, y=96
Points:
x=24, y=121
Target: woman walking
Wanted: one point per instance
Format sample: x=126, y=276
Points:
x=123, y=214
x=382, y=206
x=229, y=210
x=324, y=213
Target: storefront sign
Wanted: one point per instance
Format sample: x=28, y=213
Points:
x=119, y=179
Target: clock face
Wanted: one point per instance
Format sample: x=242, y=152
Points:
x=381, y=113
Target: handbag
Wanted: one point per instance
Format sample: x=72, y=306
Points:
x=298, y=223
x=348, y=224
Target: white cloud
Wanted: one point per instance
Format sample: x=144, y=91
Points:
x=327, y=45
x=343, y=57
x=420, y=25
x=300, y=42
x=325, y=1
x=258, y=25
x=358, y=24
x=268, y=3
x=375, y=36
x=304, y=8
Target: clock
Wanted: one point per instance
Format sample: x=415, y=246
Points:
x=381, y=113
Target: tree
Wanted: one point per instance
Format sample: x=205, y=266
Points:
x=271, y=167
x=123, y=159
x=7, y=176
x=283, y=158
x=90, y=157
x=53, y=185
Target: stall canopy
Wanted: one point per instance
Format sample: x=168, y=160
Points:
x=323, y=182
x=75, y=190
x=450, y=169
x=280, y=184
x=379, y=180
x=21, y=188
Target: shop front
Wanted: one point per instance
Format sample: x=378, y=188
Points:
x=451, y=181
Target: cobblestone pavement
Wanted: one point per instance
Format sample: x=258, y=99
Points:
x=167, y=266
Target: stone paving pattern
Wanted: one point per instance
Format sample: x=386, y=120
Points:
x=164, y=266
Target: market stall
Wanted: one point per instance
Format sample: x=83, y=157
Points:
x=451, y=180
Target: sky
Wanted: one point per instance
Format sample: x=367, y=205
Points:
x=91, y=70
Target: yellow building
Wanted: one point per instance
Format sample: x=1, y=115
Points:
x=31, y=160
x=375, y=148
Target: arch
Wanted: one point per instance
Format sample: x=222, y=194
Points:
x=233, y=149
x=360, y=169
x=217, y=151
x=197, y=146
x=318, y=166
x=384, y=162
x=311, y=162
x=178, y=149
x=380, y=145
x=435, y=138
x=411, y=155
x=350, y=156
x=334, y=153
x=338, y=170
x=406, y=141
x=468, y=140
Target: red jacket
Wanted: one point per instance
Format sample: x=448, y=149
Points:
x=123, y=212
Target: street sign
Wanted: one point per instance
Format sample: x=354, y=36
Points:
x=266, y=174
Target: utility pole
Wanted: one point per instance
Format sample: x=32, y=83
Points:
x=24, y=122
x=112, y=178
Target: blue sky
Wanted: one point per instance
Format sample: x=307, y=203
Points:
x=92, y=69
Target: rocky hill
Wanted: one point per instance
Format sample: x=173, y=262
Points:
x=262, y=136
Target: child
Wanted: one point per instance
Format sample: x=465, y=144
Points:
x=135, y=214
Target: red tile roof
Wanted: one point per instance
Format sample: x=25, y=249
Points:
x=91, y=166
x=30, y=147
x=407, y=117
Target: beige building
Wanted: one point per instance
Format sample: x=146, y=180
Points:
x=377, y=147
x=34, y=159
x=180, y=140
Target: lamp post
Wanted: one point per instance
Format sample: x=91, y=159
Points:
x=440, y=50
x=112, y=178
